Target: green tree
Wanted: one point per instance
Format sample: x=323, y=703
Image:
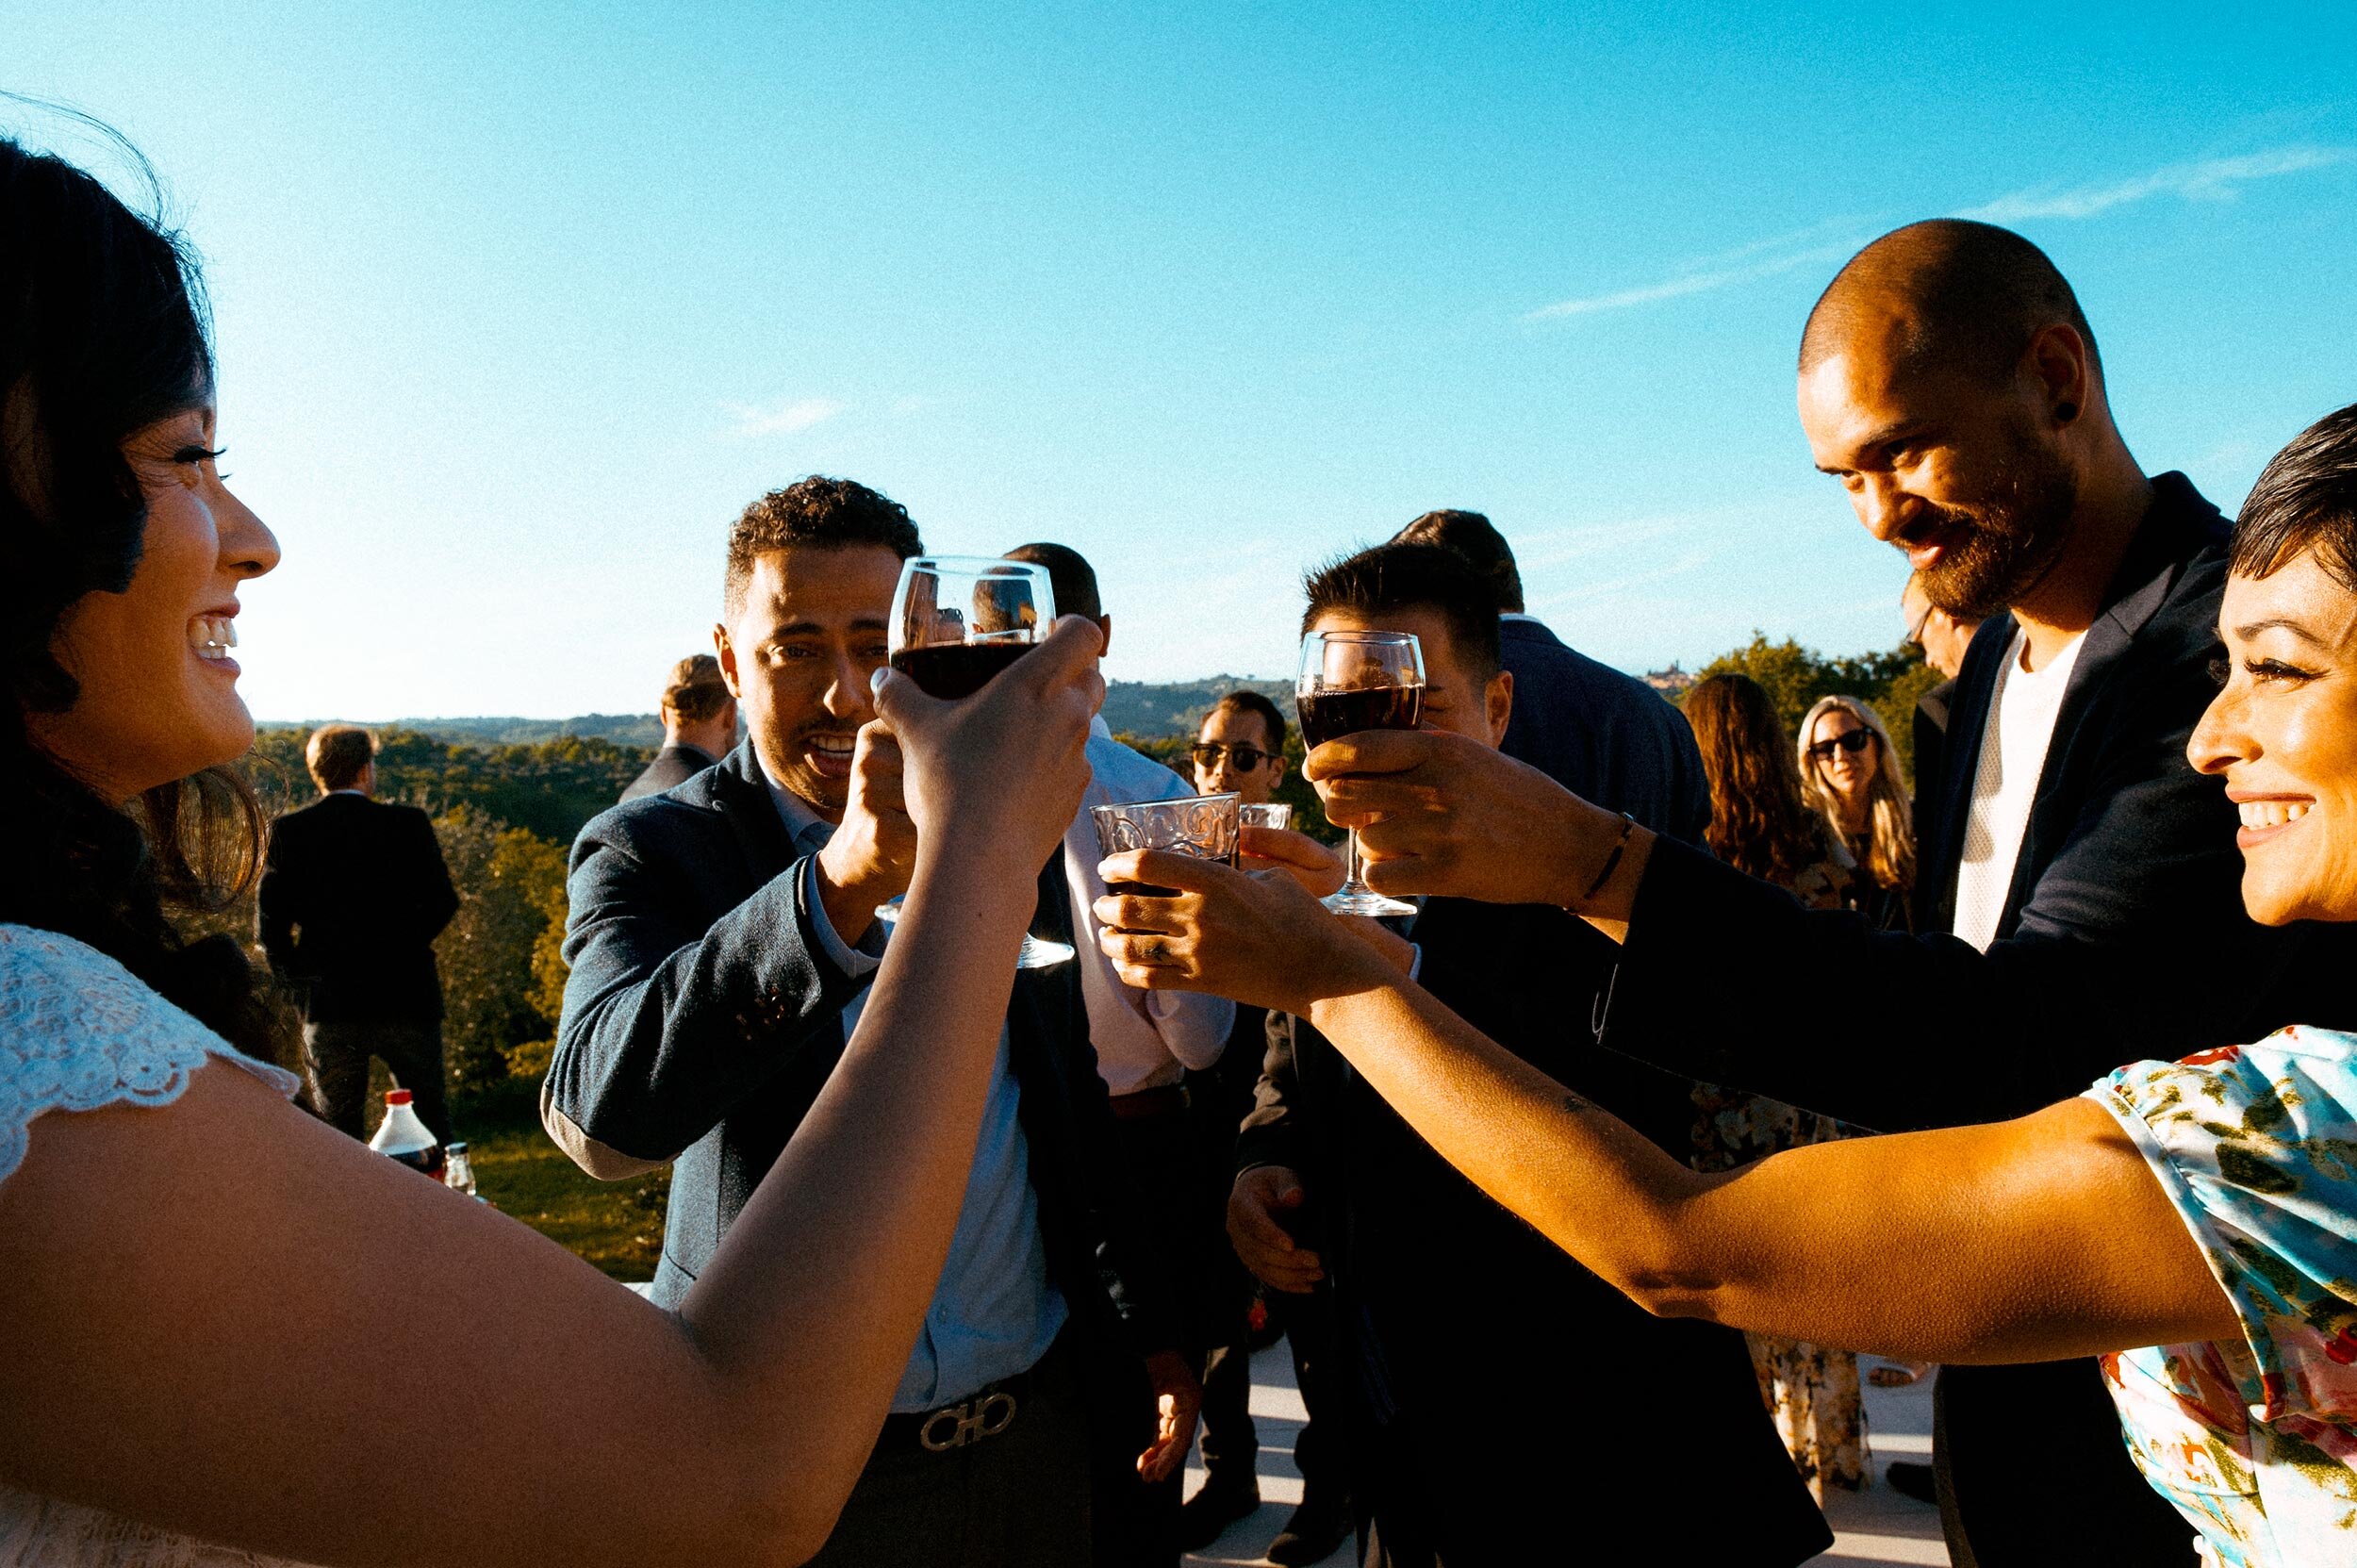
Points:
x=495, y=982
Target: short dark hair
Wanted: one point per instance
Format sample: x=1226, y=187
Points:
x=829, y=514
x=2305, y=502
x=696, y=690
x=1395, y=577
x=1245, y=699
x=1975, y=294
x=1471, y=536
x=1068, y=574
x=337, y=754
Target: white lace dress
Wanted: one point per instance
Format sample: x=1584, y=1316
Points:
x=76, y=1033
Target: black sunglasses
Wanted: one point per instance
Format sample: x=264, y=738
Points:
x=1850, y=740
x=1207, y=755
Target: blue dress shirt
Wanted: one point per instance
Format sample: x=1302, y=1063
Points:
x=994, y=1312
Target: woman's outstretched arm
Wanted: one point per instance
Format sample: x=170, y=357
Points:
x=2018, y=1241
x=228, y=1320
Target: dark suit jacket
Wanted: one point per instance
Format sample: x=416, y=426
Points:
x=1461, y=1325
x=703, y=1017
x=2123, y=937
x=353, y=892
x=1931, y=740
x=1605, y=736
x=673, y=765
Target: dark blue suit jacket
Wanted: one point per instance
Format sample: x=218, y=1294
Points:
x=2123, y=937
x=1605, y=736
x=703, y=1017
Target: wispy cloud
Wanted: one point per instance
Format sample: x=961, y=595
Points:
x=2209, y=179
x=782, y=418
x=1831, y=241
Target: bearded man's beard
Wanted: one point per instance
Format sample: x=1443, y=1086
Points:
x=2013, y=536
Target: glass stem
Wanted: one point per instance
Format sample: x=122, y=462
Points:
x=1351, y=883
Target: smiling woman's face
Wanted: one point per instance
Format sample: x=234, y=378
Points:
x=2283, y=734
x=158, y=697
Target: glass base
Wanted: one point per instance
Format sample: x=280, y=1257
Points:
x=1366, y=900
x=1035, y=953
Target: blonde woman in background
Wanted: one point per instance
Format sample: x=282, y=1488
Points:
x=1850, y=775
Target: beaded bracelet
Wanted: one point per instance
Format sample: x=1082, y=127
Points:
x=1612, y=861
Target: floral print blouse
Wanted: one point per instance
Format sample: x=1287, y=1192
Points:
x=2255, y=1442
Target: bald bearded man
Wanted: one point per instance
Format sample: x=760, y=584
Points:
x=2079, y=883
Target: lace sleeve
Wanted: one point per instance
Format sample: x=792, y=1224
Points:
x=78, y=1031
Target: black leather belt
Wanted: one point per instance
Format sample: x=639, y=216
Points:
x=982, y=1414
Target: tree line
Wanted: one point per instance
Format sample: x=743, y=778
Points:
x=506, y=814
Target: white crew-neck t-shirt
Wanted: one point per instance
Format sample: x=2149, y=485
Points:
x=2014, y=738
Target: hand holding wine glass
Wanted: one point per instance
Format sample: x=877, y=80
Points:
x=1353, y=681
x=998, y=777
x=956, y=623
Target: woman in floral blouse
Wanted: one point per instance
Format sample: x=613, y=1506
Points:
x=1760, y=824
x=2194, y=1222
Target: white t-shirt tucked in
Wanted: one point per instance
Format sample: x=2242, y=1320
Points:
x=2014, y=739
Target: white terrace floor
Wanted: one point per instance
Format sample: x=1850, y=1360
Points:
x=1873, y=1528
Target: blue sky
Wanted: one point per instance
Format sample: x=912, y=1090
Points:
x=518, y=306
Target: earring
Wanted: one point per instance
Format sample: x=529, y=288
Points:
x=2065, y=412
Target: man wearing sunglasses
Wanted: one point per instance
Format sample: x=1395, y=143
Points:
x=1239, y=749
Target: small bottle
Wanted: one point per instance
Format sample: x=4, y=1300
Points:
x=459, y=1171
x=405, y=1137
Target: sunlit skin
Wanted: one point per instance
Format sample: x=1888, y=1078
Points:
x=1908, y=438
x=1849, y=775
x=153, y=709
x=2282, y=734
x=1233, y=727
x=806, y=636
x=798, y=651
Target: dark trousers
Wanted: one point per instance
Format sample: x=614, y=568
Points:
x=2079, y=1498
x=1017, y=1499
x=1232, y=1444
x=1136, y=1523
x=336, y=1062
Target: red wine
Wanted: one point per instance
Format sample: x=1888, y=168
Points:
x=1329, y=715
x=953, y=669
x=1141, y=890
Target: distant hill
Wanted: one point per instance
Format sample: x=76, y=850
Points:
x=1174, y=709
x=1132, y=707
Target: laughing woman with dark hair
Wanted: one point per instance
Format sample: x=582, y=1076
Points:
x=437, y=1384
x=2194, y=1222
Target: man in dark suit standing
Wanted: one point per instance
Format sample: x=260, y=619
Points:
x=721, y=936
x=353, y=892
x=2080, y=882
x=1600, y=733
x=1944, y=640
x=1483, y=1371
x=698, y=726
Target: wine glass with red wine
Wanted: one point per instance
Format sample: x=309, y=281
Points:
x=1354, y=681
x=957, y=620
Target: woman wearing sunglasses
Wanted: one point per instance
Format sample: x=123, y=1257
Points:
x=2194, y=1222
x=1850, y=775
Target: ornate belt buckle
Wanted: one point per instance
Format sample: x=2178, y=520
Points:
x=955, y=1426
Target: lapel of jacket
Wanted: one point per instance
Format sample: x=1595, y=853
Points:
x=2176, y=525
x=741, y=796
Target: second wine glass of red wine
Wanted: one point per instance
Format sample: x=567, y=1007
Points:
x=958, y=620
x=1352, y=681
